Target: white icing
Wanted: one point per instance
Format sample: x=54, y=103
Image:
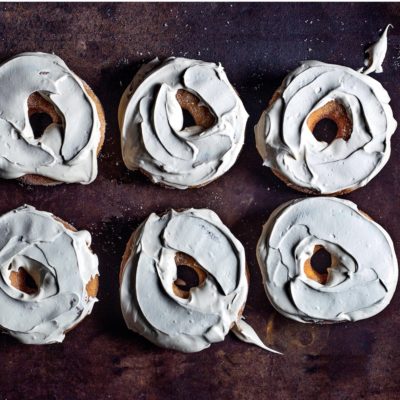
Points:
x=376, y=54
x=66, y=152
x=149, y=305
x=61, y=264
x=364, y=272
x=287, y=145
x=247, y=334
x=151, y=123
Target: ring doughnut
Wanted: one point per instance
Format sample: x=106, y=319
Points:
x=363, y=272
x=154, y=301
x=66, y=151
x=153, y=136
x=359, y=106
x=48, y=276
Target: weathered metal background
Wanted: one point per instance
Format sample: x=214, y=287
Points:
x=257, y=44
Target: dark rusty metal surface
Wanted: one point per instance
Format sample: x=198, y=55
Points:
x=258, y=44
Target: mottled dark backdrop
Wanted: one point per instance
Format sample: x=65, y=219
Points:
x=258, y=44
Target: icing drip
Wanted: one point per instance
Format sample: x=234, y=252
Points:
x=206, y=316
x=287, y=145
x=247, y=334
x=61, y=264
x=151, y=123
x=65, y=152
x=363, y=275
x=376, y=54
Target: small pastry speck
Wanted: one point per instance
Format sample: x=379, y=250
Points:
x=154, y=135
x=49, y=276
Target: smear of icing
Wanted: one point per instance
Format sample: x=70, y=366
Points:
x=247, y=334
x=364, y=273
x=60, y=262
x=151, y=122
x=287, y=145
x=65, y=152
x=150, y=306
x=376, y=54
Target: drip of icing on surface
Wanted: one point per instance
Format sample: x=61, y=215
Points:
x=376, y=54
x=247, y=334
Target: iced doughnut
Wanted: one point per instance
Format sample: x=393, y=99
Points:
x=48, y=276
x=363, y=272
x=358, y=105
x=151, y=119
x=157, y=303
x=40, y=83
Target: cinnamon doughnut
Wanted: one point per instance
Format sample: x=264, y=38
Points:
x=155, y=302
x=48, y=276
x=359, y=106
x=361, y=279
x=153, y=136
x=41, y=83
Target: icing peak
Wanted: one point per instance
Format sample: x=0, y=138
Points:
x=376, y=54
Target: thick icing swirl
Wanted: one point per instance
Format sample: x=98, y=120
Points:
x=287, y=145
x=362, y=278
x=150, y=306
x=66, y=152
x=151, y=123
x=61, y=264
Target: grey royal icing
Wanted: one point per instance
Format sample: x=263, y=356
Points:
x=61, y=264
x=364, y=272
x=287, y=145
x=67, y=152
x=151, y=123
x=149, y=305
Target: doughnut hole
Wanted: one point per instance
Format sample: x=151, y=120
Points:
x=330, y=122
x=23, y=281
x=193, y=112
x=316, y=267
x=41, y=114
x=189, y=274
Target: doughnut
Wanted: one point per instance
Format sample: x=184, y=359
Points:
x=155, y=302
x=154, y=137
x=363, y=271
x=48, y=276
x=67, y=149
x=355, y=102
